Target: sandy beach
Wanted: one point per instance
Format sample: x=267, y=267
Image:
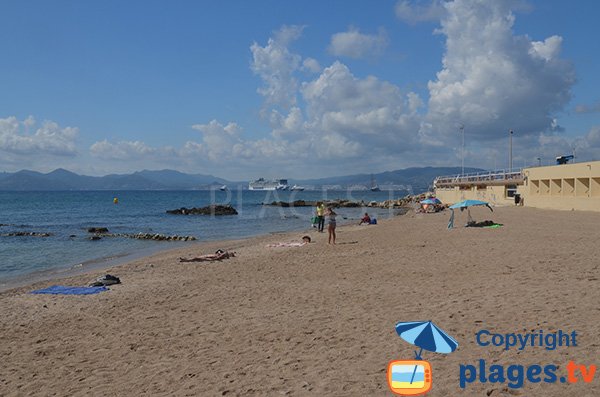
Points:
x=317, y=320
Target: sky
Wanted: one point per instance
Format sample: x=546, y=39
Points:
x=296, y=89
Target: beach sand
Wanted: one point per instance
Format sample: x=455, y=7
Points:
x=319, y=319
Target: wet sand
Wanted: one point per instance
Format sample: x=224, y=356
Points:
x=318, y=319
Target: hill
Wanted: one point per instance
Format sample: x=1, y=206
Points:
x=417, y=179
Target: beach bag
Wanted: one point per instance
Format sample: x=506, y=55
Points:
x=373, y=221
x=314, y=220
x=105, y=280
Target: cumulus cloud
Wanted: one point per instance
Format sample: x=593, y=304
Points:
x=413, y=12
x=325, y=118
x=311, y=65
x=49, y=138
x=122, y=150
x=276, y=65
x=354, y=44
x=219, y=141
x=493, y=80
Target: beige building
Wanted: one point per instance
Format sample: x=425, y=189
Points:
x=564, y=187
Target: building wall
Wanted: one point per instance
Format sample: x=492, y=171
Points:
x=564, y=187
x=561, y=187
x=496, y=195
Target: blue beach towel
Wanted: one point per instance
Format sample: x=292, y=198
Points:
x=62, y=290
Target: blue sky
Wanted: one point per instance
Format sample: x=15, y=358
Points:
x=295, y=89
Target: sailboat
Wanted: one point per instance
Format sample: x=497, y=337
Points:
x=374, y=187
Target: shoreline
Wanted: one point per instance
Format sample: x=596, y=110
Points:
x=317, y=319
x=94, y=266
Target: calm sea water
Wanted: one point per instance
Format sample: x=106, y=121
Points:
x=70, y=213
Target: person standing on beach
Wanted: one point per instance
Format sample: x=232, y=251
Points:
x=331, y=224
x=320, y=216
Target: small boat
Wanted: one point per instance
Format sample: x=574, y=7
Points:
x=223, y=188
x=297, y=188
x=374, y=187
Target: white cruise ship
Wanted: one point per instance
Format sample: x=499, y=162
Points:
x=263, y=184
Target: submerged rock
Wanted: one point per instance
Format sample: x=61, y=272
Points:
x=97, y=230
x=214, y=209
x=26, y=234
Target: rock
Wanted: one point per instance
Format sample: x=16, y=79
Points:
x=215, y=209
x=94, y=238
x=26, y=234
x=97, y=230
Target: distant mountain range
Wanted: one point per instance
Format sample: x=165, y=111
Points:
x=415, y=179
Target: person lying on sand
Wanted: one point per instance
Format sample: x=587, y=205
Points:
x=217, y=256
x=305, y=240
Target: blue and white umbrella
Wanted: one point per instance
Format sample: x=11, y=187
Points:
x=432, y=200
x=465, y=204
x=426, y=335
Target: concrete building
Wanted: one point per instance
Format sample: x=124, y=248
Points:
x=562, y=187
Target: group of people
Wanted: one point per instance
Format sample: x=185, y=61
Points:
x=323, y=212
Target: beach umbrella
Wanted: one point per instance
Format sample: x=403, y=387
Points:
x=425, y=335
x=466, y=204
x=432, y=200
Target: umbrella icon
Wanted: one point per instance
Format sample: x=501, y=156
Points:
x=425, y=335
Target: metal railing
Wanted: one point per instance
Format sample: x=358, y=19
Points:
x=486, y=177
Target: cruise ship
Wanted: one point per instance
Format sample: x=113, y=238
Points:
x=263, y=184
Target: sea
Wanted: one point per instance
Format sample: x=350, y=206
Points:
x=66, y=216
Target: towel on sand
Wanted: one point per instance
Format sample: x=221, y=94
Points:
x=62, y=290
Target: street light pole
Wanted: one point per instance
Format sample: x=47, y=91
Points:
x=462, y=129
x=510, y=157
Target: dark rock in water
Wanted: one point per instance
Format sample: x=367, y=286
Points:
x=97, y=230
x=296, y=203
x=26, y=234
x=208, y=210
x=93, y=238
x=72, y=236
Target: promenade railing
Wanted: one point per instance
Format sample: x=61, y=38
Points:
x=496, y=177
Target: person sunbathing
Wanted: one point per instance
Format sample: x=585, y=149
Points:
x=305, y=240
x=217, y=256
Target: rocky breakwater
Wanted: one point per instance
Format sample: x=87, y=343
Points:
x=26, y=234
x=332, y=203
x=214, y=209
x=99, y=232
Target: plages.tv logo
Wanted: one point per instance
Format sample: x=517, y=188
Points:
x=414, y=377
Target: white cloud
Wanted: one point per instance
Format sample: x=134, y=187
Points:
x=492, y=80
x=48, y=139
x=122, y=150
x=311, y=65
x=413, y=12
x=218, y=141
x=276, y=65
x=354, y=44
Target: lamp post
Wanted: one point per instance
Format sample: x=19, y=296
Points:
x=510, y=157
x=462, y=129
